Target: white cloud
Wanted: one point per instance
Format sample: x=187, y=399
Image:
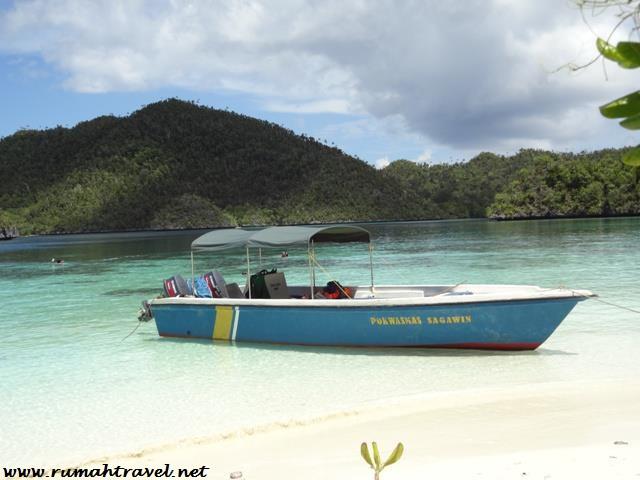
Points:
x=382, y=163
x=424, y=157
x=466, y=75
x=318, y=106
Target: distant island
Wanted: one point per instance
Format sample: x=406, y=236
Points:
x=175, y=164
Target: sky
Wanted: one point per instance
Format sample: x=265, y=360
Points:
x=430, y=81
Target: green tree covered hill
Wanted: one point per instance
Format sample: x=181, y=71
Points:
x=561, y=185
x=175, y=164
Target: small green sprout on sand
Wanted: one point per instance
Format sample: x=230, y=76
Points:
x=376, y=464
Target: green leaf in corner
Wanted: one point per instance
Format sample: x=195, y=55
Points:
x=376, y=455
x=631, y=123
x=607, y=50
x=364, y=451
x=625, y=54
x=622, y=107
x=395, y=455
x=632, y=157
x=630, y=52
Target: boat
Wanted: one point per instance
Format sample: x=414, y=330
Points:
x=464, y=316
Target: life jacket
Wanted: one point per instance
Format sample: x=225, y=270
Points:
x=334, y=290
x=332, y=295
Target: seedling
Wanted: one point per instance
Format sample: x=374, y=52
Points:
x=376, y=464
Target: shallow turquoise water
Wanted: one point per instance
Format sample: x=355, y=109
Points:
x=73, y=390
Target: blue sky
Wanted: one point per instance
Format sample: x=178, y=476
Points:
x=428, y=81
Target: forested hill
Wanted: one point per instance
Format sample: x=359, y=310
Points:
x=174, y=164
x=529, y=184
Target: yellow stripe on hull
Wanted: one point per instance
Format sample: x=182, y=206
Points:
x=222, y=325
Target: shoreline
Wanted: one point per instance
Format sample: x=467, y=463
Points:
x=350, y=222
x=454, y=433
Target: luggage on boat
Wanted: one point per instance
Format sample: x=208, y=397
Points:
x=258, y=285
x=200, y=287
x=209, y=285
x=276, y=285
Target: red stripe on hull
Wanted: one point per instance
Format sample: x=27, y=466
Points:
x=467, y=346
x=489, y=346
x=190, y=337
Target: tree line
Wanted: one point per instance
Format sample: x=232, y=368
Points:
x=175, y=164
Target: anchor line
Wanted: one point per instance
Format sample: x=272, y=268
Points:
x=614, y=305
x=597, y=299
x=132, y=331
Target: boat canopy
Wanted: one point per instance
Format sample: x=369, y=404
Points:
x=278, y=237
x=222, y=239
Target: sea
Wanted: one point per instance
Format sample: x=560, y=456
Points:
x=82, y=380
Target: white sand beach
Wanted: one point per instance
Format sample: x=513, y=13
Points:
x=579, y=430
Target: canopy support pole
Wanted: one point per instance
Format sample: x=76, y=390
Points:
x=248, y=272
x=310, y=253
x=193, y=276
x=260, y=257
x=371, y=263
x=313, y=266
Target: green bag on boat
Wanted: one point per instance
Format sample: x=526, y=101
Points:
x=258, y=285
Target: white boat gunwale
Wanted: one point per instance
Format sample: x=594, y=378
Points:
x=524, y=293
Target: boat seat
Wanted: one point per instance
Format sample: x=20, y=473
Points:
x=234, y=291
x=276, y=285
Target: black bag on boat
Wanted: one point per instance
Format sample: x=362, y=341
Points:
x=258, y=285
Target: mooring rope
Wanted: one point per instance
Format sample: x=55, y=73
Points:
x=132, y=331
x=615, y=305
x=595, y=297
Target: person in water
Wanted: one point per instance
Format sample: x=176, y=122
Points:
x=57, y=261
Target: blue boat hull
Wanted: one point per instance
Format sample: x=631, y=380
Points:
x=497, y=325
